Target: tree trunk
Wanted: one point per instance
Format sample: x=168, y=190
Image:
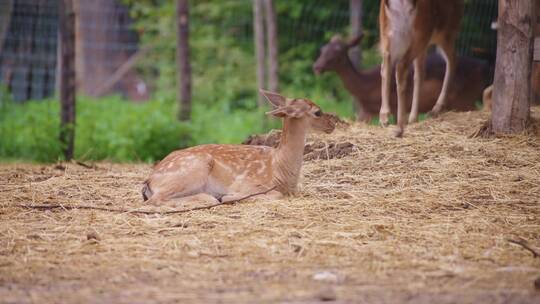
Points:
x=271, y=28
x=67, y=76
x=512, y=87
x=182, y=57
x=258, y=27
x=355, y=53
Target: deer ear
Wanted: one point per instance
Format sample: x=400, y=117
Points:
x=287, y=111
x=275, y=99
x=336, y=38
x=355, y=40
x=279, y=112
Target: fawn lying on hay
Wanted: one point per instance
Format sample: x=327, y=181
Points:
x=365, y=85
x=407, y=28
x=222, y=173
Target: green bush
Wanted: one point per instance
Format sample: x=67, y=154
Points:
x=106, y=129
x=118, y=130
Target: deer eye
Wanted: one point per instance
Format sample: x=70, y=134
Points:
x=318, y=113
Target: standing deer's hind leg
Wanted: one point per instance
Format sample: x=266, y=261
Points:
x=402, y=76
x=386, y=73
x=418, y=77
x=448, y=53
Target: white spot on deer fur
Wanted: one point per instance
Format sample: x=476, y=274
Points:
x=240, y=177
x=401, y=14
x=261, y=170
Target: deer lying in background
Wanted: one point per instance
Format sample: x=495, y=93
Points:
x=407, y=28
x=487, y=97
x=221, y=173
x=470, y=80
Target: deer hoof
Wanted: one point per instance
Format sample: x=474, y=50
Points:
x=435, y=112
x=383, y=119
x=413, y=119
x=398, y=133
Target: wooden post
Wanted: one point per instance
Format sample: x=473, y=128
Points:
x=271, y=29
x=6, y=8
x=512, y=86
x=258, y=28
x=356, y=28
x=355, y=54
x=67, y=76
x=182, y=58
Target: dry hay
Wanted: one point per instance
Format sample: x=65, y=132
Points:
x=423, y=219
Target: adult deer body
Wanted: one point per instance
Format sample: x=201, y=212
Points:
x=471, y=78
x=407, y=28
x=221, y=173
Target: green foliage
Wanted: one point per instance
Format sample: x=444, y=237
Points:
x=117, y=130
x=29, y=132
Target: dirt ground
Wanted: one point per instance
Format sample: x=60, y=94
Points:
x=430, y=218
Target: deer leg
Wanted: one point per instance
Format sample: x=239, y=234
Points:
x=186, y=202
x=386, y=73
x=188, y=179
x=418, y=77
x=271, y=195
x=448, y=53
x=402, y=75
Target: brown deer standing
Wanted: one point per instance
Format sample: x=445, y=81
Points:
x=407, y=28
x=471, y=78
x=221, y=173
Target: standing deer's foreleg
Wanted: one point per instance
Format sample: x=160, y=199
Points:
x=386, y=73
x=402, y=76
x=448, y=53
x=419, y=71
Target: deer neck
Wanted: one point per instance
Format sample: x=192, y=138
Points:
x=355, y=81
x=289, y=155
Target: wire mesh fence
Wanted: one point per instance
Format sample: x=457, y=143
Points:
x=28, y=48
x=120, y=47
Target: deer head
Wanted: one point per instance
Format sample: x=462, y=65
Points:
x=300, y=109
x=334, y=54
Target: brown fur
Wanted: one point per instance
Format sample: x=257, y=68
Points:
x=433, y=22
x=470, y=80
